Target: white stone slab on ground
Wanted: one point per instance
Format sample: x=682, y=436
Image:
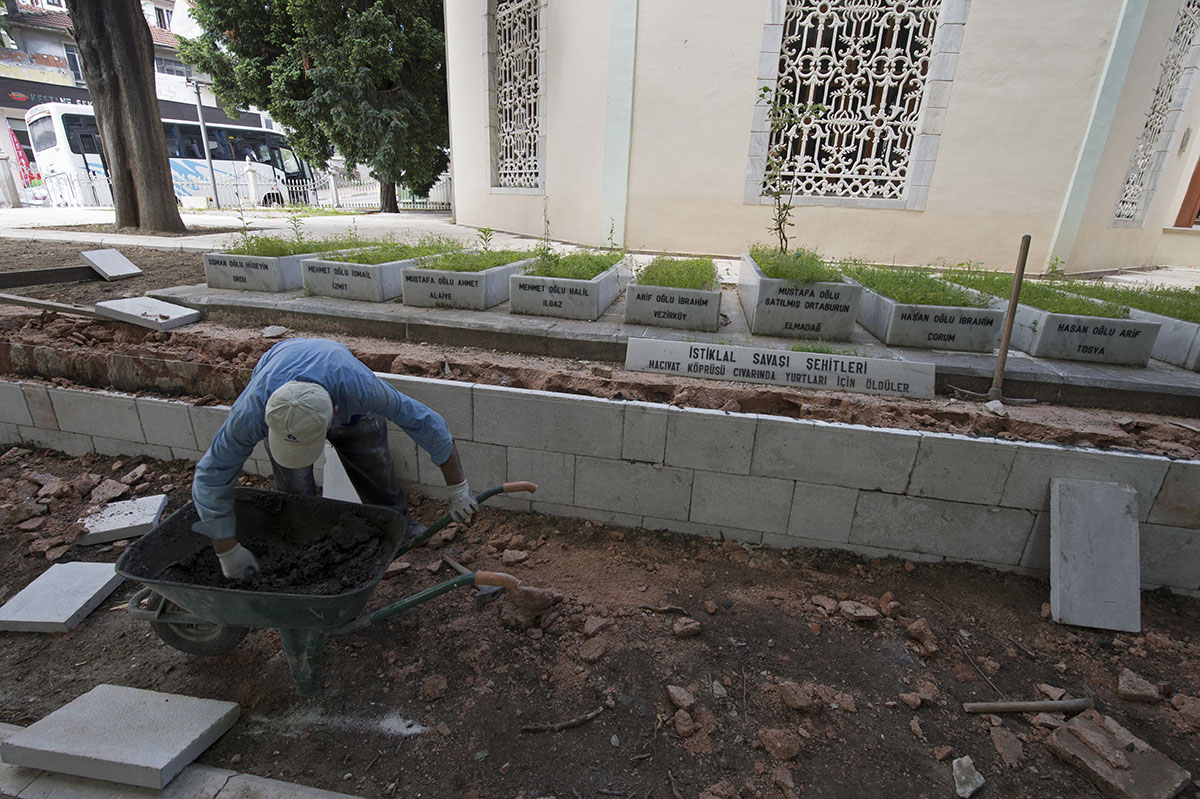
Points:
x=126, y=519
x=14, y=779
x=119, y=734
x=148, y=312
x=59, y=598
x=110, y=264
x=1095, y=568
x=194, y=782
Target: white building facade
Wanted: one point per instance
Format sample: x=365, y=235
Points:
x=918, y=131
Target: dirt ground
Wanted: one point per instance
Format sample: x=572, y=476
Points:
x=160, y=269
x=789, y=698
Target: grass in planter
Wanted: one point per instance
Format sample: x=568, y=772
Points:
x=913, y=286
x=819, y=347
x=679, y=273
x=1177, y=303
x=583, y=265
x=473, y=260
x=1036, y=295
x=400, y=251
x=798, y=266
x=278, y=246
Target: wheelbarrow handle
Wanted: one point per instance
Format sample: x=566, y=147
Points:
x=497, y=578
x=507, y=488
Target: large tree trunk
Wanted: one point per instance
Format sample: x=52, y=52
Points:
x=118, y=62
x=387, y=198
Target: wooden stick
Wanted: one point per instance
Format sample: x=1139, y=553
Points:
x=564, y=725
x=1035, y=706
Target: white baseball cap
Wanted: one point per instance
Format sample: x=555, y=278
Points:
x=298, y=416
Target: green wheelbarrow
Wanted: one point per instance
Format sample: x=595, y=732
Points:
x=204, y=620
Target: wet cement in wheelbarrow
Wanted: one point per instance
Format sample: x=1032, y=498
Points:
x=347, y=556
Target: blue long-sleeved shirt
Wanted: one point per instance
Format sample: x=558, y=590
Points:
x=355, y=391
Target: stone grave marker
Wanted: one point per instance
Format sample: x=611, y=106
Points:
x=781, y=367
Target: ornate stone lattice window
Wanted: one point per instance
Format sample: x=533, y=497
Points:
x=516, y=80
x=1150, y=151
x=866, y=62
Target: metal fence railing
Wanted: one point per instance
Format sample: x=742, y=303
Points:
x=249, y=189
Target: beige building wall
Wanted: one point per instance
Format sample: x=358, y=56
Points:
x=1101, y=244
x=575, y=82
x=1020, y=105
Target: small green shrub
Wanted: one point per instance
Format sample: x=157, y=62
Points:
x=1177, y=303
x=277, y=246
x=583, y=265
x=798, y=266
x=913, y=286
x=1035, y=295
x=472, y=260
x=400, y=251
x=819, y=347
x=679, y=273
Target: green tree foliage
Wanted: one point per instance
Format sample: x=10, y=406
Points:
x=365, y=76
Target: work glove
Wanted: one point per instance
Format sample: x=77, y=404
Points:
x=238, y=563
x=462, y=502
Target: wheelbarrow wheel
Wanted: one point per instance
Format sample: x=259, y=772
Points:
x=198, y=639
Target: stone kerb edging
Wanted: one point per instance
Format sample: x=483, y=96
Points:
x=760, y=479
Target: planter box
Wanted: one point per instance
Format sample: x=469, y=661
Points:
x=351, y=281
x=666, y=306
x=478, y=291
x=785, y=308
x=930, y=326
x=564, y=297
x=1178, y=342
x=255, y=272
x=1071, y=337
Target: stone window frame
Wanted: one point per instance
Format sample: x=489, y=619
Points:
x=489, y=56
x=1162, y=148
x=935, y=100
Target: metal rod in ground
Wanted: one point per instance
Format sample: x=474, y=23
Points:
x=1036, y=706
x=994, y=393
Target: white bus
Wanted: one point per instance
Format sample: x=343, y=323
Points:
x=253, y=166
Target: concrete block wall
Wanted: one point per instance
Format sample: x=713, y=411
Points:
x=760, y=479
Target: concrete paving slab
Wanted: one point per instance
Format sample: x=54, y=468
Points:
x=1095, y=572
x=14, y=779
x=148, y=312
x=13, y=409
x=59, y=598
x=118, y=520
x=246, y=786
x=110, y=264
x=194, y=782
x=120, y=734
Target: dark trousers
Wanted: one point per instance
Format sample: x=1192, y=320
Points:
x=363, y=451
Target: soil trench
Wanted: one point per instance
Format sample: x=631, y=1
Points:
x=211, y=363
